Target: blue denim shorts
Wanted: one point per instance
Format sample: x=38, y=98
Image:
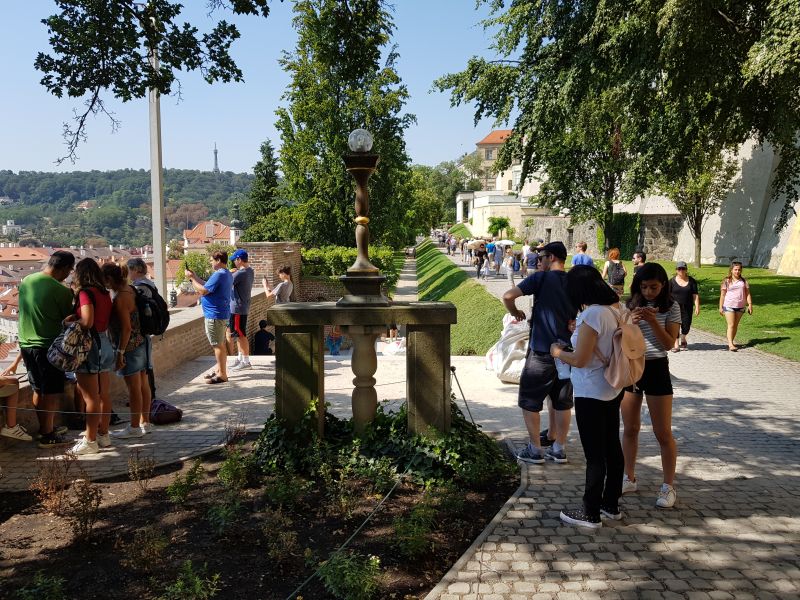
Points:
x=101, y=358
x=135, y=361
x=732, y=309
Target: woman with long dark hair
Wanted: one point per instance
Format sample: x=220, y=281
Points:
x=659, y=318
x=733, y=294
x=93, y=312
x=596, y=401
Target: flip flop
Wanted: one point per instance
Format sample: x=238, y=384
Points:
x=216, y=379
x=210, y=375
x=733, y=349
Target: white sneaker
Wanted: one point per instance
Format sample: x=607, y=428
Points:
x=146, y=428
x=666, y=496
x=129, y=432
x=235, y=364
x=17, y=432
x=84, y=446
x=628, y=485
x=103, y=440
x=242, y=366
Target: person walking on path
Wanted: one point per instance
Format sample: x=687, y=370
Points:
x=596, y=401
x=481, y=256
x=734, y=293
x=499, y=255
x=283, y=291
x=580, y=257
x=43, y=304
x=215, y=298
x=614, y=272
x=639, y=259
x=240, y=307
x=509, y=263
x=552, y=316
x=684, y=290
x=131, y=355
x=532, y=257
x=93, y=313
x=659, y=318
x=137, y=273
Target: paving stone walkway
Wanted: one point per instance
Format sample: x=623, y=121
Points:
x=734, y=532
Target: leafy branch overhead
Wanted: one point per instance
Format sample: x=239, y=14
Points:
x=105, y=47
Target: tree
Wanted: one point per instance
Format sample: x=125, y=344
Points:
x=263, y=198
x=570, y=96
x=472, y=171
x=497, y=225
x=174, y=249
x=701, y=190
x=339, y=84
x=105, y=47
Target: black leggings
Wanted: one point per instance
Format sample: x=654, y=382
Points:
x=598, y=426
x=686, y=317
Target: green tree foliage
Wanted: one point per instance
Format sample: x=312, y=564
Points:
x=263, y=199
x=198, y=262
x=339, y=84
x=99, y=47
x=119, y=203
x=497, y=225
x=435, y=190
x=613, y=97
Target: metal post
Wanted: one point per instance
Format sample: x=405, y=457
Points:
x=157, y=187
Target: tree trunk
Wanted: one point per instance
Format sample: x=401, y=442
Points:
x=697, y=232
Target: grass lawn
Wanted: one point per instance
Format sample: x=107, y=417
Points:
x=479, y=313
x=460, y=230
x=775, y=324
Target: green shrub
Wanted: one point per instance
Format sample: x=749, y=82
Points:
x=333, y=261
x=350, y=576
x=179, y=489
x=192, y=585
x=235, y=470
x=280, y=538
x=43, y=587
x=285, y=489
x=225, y=513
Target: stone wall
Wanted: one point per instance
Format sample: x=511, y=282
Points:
x=554, y=228
x=659, y=235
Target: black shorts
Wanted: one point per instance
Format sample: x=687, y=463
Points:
x=237, y=324
x=655, y=380
x=539, y=380
x=43, y=377
x=686, y=317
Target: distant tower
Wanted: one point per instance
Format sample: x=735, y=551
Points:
x=216, y=162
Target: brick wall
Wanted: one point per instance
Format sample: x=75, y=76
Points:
x=267, y=257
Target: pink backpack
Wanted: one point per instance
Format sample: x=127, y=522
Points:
x=626, y=364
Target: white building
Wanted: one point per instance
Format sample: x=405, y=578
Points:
x=11, y=228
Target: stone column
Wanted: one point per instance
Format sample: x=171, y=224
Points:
x=299, y=372
x=364, y=365
x=428, y=378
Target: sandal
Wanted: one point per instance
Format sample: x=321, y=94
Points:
x=210, y=375
x=674, y=350
x=216, y=379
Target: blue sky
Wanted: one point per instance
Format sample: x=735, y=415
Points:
x=434, y=37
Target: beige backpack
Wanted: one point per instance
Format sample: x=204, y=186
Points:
x=625, y=365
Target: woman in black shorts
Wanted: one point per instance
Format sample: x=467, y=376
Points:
x=685, y=292
x=659, y=319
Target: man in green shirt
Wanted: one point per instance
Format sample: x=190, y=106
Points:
x=44, y=302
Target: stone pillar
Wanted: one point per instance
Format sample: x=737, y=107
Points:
x=299, y=372
x=428, y=378
x=364, y=365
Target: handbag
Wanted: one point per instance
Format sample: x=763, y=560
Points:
x=164, y=413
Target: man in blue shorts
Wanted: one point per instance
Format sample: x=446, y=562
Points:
x=551, y=322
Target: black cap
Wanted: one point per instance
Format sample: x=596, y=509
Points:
x=557, y=249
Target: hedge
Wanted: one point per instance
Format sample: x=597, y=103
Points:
x=333, y=261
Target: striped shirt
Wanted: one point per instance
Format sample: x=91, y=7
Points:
x=653, y=347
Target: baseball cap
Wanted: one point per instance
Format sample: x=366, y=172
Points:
x=557, y=249
x=681, y=265
x=239, y=254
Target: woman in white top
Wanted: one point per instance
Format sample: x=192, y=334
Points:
x=596, y=402
x=659, y=318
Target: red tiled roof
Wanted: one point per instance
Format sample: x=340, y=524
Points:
x=8, y=255
x=6, y=348
x=198, y=233
x=498, y=136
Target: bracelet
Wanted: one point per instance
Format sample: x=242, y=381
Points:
x=120, y=351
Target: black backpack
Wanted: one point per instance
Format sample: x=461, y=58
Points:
x=153, y=311
x=616, y=274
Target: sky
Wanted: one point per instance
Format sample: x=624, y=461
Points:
x=433, y=37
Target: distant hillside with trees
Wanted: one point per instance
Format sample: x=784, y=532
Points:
x=117, y=203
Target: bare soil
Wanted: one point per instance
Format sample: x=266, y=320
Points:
x=33, y=540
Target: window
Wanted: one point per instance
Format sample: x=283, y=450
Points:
x=569, y=239
x=510, y=185
x=490, y=154
x=547, y=235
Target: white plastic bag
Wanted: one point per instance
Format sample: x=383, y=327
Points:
x=507, y=357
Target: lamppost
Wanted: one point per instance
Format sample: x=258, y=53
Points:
x=363, y=280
